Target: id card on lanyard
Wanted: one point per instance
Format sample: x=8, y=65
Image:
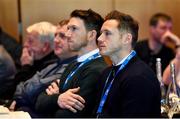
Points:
x=106, y=91
x=82, y=63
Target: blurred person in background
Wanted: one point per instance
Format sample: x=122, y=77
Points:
x=11, y=46
x=7, y=72
x=157, y=45
x=167, y=77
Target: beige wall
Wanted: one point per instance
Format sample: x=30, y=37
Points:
x=142, y=10
x=55, y=10
x=9, y=17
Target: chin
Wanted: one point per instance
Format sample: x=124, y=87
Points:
x=103, y=53
x=74, y=48
x=57, y=52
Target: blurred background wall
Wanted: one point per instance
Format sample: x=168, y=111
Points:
x=14, y=22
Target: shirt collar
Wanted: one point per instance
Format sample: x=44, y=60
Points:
x=87, y=55
x=119, y=63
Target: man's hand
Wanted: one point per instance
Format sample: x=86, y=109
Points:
x=170, y=36
x=12, y=106
x=53, y=88
x=27, y=57
x=71, y=101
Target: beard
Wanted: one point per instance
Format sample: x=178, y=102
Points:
x=78, y=46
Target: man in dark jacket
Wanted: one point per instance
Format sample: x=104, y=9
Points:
x=80, y=77
x=129, y=88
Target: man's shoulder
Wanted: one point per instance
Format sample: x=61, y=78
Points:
x=97, y=64
x=142, y=48
x=143, y=42
x=139, y=67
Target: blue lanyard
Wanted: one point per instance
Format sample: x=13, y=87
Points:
x=104, y=96
x=82, y=63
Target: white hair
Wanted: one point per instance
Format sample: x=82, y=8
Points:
x=45, y=31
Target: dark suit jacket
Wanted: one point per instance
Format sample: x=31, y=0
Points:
x=135, y=92
x=86, y=78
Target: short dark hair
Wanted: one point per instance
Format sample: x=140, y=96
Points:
x=159, y=16
x=92, y=20
x=63, y=22
x=126, y=23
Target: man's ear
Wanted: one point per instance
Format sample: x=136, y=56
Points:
x=152, y=29
x=46, y=47
x=92, y=35
x=127, y=38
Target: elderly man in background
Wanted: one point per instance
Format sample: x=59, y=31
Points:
x=26, y=92
x=37, y=53
x=38, y=50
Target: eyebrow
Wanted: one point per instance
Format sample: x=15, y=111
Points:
x=105, y=30
x=59, y=33
x=71, y=25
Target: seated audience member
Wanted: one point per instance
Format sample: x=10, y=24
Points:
x=156, y=45
x=11, y=46
x=37, y=51
x=167, y=77
x=79, y=78
x=129, y=88
x=7, y=72
x=27, y=92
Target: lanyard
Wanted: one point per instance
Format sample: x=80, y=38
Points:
x=104, y=96
x=92, y=57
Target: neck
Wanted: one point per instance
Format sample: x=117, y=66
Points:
x=154, y=45
x=86, y=49
x=46, y=53
x=69, y=55
x=119, y=55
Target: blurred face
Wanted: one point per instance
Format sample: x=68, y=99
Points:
x=159, y=30
x=110, y=40
x=61, y=48
x=77, y=34
x=34, y=45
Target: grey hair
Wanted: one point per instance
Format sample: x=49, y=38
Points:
x=45, y=31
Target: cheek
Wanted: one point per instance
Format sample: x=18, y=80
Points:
x=37, y=49
x=161, y=31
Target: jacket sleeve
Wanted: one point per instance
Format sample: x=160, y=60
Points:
x=46, y=104
x=24, y=89
x=27, y=92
